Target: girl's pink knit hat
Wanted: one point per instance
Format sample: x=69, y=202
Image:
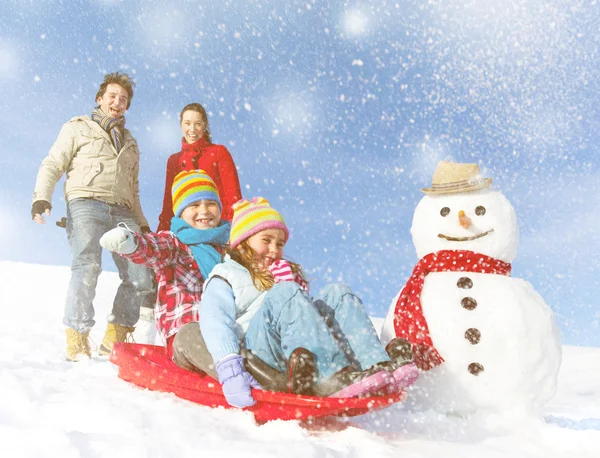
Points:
x=252, y=216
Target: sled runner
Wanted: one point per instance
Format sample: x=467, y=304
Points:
x=147, y=366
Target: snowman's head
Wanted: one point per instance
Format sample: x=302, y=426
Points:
x=482, y=221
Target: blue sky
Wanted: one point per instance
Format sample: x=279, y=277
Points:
x=337, y=112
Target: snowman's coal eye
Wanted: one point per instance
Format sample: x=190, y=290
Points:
x=480, y=211
x=444, y=211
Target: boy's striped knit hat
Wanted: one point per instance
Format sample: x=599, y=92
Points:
x=192, y=186
x=252, y=216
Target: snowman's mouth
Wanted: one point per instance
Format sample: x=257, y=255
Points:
x=464, y=239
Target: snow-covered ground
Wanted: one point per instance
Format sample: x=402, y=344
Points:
x=49, y=407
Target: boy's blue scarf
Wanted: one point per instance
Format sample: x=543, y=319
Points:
x=200, y=241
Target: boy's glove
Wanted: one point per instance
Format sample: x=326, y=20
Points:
x=236, y=381
x=120, y=240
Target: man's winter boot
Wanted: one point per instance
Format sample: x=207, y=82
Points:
x=114, y=333
x=145, y=328
x=78, y=346
x=299, y=378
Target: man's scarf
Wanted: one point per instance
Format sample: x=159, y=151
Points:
x=201, y=242
x=113, y=126
x=409, y=321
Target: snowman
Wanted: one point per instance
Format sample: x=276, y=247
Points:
x=483, y=339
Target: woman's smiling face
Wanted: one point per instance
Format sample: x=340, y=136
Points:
x=192, y=126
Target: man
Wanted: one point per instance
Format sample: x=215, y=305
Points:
x=101, y=162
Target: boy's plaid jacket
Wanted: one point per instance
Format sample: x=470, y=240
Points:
x=178, y=276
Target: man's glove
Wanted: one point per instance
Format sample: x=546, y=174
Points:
x=40, y=207
x=120, y=240
x=236, y=381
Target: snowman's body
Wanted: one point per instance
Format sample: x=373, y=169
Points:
x=496, y=335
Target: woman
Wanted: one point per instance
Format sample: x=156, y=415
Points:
x=198, y=152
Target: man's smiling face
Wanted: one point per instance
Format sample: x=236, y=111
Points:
x=114, y=101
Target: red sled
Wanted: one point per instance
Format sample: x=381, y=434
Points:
x=147, y=366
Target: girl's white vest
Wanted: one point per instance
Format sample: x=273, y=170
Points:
x=248, y=299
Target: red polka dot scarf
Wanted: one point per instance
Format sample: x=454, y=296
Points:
x=409, y=321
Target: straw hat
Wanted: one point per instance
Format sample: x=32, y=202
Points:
x=451, y=177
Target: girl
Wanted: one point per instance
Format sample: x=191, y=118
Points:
x=183, y=257
x=250, y=304
x=198, y=152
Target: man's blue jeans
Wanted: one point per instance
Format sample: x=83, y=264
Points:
x=87, y=221
x=335, y=328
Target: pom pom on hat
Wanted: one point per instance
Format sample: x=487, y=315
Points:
x=252, y=216
x=192, y=186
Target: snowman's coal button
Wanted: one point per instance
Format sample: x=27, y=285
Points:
x=473, y=335
x=469, y=303
x=464, y=283
x=475, y=368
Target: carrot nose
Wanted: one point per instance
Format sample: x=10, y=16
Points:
x=464, y=220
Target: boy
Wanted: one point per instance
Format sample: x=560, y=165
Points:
x=183, y=257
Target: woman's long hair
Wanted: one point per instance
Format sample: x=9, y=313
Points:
x=263, y=279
